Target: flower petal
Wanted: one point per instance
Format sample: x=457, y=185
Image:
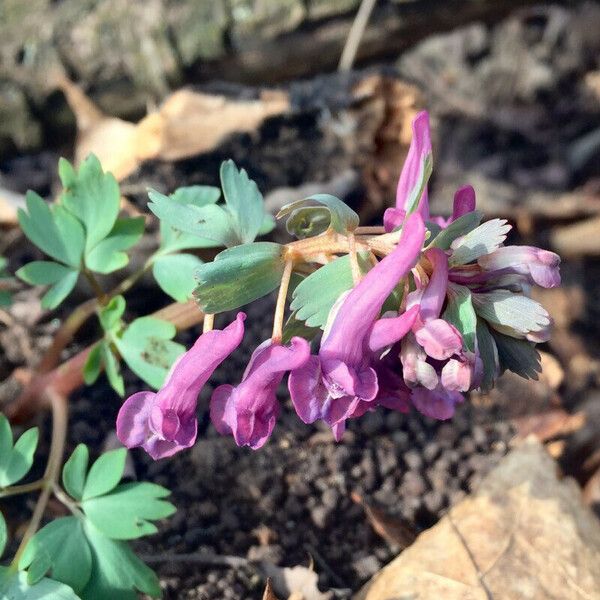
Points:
x=388, y=331
x=307, y=390
x=393, y=218
x=133, y=419
x=439, y=339
x=434, y=295
x=464, y=201
x=437, y=404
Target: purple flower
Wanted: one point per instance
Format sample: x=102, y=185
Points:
x=334, y=385
x=249, y=410
x=164, y=422
x=464, y=202
x=420, y=147
x=538, y=266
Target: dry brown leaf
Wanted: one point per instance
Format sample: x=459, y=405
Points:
x=269, y=593
x=579, y=239
x=294, y=583
x=188, y=123
x=526, y=531
x=548, y=425
x=393, y=530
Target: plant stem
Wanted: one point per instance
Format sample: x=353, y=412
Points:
x=209, y=323
x=57, y=448
x=356, y=274
x=281, y=298
x=101, y=295
x=15, y=490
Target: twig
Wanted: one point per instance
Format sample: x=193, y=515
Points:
x=198, y=559
x=57, y=448
x=356, y=32
x=281, y=298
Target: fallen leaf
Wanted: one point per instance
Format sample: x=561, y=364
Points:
x=393, y=530
x=526, y=531
x=294, y=583
x=548, y=425
x=579, y=239
x=269, y=593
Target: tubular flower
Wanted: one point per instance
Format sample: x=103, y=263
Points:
x=249, y=411
x=164, y=422
x=333, y=385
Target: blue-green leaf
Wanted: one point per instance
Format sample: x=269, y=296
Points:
x=174, y=273
x=244, y=201
x=108, y=256
x=239, y=276
x=198, y=195
x=43, y=272
x=456, y=229
x=60, y=290
x=460, y=313
x=64, y=550
x=14, y=586
x=110, y=315
x=16, y=461
x=74, y=472
x=147, y=347
x=518, y=356
x=105, y=473
x=3, y=534
x=486, y=346
x=482, y=240
x=136, y=504
x=113, y=368
x=92, y=196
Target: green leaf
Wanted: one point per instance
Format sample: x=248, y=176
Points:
x=210, y=222
x=113, y=369
x=60, y=290
x=5, y=298
x=295, y=327
x=38, y=224
x=198, y=195
x=43, y=272
x=174, y=273
x=108, y=256
x=6, y=439
x=518, y=356
x=3, y=534
x=110, y=315
x=74, y=472
x=63, y=549
x=482, y=240
x=314, y=297
x=238, y=276
x=244, y=201
x=93, y=197
x=147, y=348
x=105, y=473
x=117, y=572
x=308, y=221
x=93, y=364
x=14, y=586
x=16, y=462
x=460, y=313
x=39, y=567
x=341, y=217
x=424, y=174
x=72, y=233
x=456, y=229
x=488, y=352
x=125, y=514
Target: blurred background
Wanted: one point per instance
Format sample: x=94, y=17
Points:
x=164, y=90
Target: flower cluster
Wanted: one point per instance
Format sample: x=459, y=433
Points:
x=442, y=308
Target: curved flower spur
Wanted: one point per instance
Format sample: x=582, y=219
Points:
x=412, y=313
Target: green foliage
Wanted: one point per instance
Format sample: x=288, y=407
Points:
x=14, y=586
x=174, y=273
x=307, y=220
x=61, y=278
x=481, y=240
x=5, y=280
x=15, y=460
x=314, y=297
x=518, y=356
x=460, y=312
x=86, y=551
x=238, y=276
x=488, y=353
x=3, y=534
x=146, y=346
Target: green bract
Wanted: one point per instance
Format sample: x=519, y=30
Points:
x=86, y=551
x=238, y=276
x=460, y=313
x=15, y=460
x=456, y=229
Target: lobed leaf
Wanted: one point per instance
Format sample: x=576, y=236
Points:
x=518, y=356
x=136, y=504
x=61, y=548
x=60, y=290
x=15, y=461
x=112, y=367
x=111, y=314
x=488, y=352
x=92, y=196
x=108, y=256
x=14, y=586
x=456, y=229
x=174, y=273
x=239, y=276
x=105, y=473
x=146, y=346
x=244, y=201
x=74, y=472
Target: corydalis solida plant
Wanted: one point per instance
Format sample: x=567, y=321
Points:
x=411, y=314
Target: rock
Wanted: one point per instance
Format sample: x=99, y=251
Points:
x=523, y=533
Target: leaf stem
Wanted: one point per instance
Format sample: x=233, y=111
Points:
x=55, y=456
x=15, y=490
x=356, y=274
x=281, y=298
x=101, y=296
